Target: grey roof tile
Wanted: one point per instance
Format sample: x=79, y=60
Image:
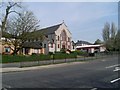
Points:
x=49, y=30
x=35, y=45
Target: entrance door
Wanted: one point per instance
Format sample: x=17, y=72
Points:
x=63, y=46
x=27, y=50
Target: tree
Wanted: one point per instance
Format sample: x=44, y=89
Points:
x=109, y=35
x=98, y=41
x=113, y=31
x=8, y=10
x=22, y=29
x=117, y=41
x=106, y=32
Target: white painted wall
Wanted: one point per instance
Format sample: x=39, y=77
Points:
x=58, y=32
x=63, y=27
x=102, y=49
x=51, y=49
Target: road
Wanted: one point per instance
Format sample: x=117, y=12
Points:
x=92, y=74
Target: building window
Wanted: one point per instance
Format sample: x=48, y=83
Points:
x=51, y=45
x=58, y=38
x=68, y=39
x=7, y=49
x=44, y=45
x=69, y=46
x=63, y=46
x=58, y=46
x=63, y=35
x=73, y=47
x=40, y=44
x=53, y=40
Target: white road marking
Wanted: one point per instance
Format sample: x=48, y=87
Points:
x=116, y=69
x=113, y=66
x=103, y=60
x=115, y=80
x=94, y=89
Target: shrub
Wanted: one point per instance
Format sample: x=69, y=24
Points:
x=63, y=50
x=64, y=55
x=23, y=58
x=44, y=57
x=34, y=53
x=81, y=53
x=50, y=53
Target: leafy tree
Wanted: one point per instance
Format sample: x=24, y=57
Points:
x=98, y=41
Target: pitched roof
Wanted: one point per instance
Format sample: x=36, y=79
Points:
x=49, y=30
x=82, y=42
x=73, y=43
x=36, y=45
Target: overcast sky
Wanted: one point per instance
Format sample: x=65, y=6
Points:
x=85, y=20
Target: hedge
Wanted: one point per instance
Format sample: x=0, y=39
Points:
x=23, y=58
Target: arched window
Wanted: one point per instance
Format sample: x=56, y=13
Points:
x=63, y=35
x=58, y=38
x=68, y=39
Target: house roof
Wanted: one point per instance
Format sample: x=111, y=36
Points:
x=49, y=30
x=89, y=46
x=82, y=42
x=46, y=31
x=35, y=45
x=73, y=43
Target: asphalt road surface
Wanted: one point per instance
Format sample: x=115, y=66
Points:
x=92, y=74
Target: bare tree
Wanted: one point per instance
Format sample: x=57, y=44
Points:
x=113, y=31
x=9, y=8
x=22, y=29
x=109, y=35
x=106, y=32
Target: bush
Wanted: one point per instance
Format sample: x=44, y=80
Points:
x=91, y=54
x=50, y=53
x=64, y=55
x=81, y=53
x=63, y=50
x=23, y=58
x=34, y=53
x=45, y=57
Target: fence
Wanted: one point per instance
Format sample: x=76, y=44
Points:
x=63, y=60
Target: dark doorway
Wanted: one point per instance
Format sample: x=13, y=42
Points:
x=27, y=50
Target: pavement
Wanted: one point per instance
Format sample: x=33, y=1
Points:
x=18, y=69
